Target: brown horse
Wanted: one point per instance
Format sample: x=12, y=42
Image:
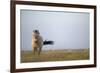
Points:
x=37, y=42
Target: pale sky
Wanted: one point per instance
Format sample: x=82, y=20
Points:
x=68, y=30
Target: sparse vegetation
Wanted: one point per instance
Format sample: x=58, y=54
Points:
x=55, y=55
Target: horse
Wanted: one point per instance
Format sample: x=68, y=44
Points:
x=37, y=42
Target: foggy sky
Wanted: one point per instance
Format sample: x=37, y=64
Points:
x=68, y=30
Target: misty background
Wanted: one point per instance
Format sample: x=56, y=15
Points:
x=68, y=30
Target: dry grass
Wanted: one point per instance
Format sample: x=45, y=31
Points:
x=55, y=55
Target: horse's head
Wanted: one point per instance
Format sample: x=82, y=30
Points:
x=36, y=31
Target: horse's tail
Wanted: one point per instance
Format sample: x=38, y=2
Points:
x=48, y=42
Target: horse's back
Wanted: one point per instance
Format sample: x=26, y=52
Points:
x=40, y=41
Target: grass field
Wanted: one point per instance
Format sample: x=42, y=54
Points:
x=55, y=55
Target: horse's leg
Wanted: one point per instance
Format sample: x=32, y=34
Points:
x=35, y=50
x=40, y=49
